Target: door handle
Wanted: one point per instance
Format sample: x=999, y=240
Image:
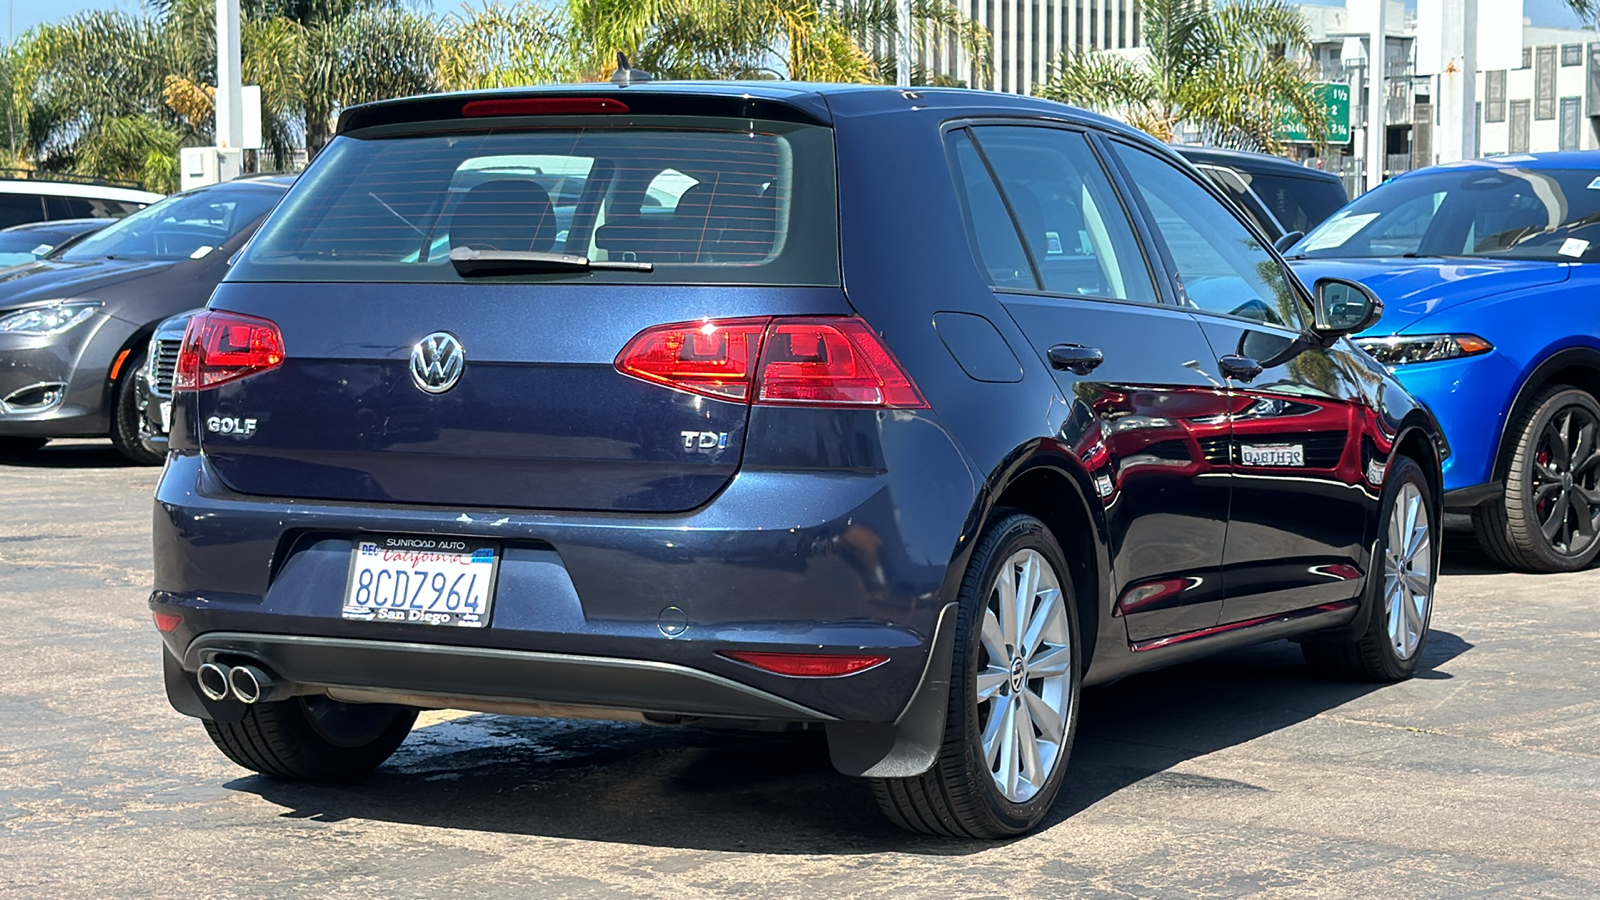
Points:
x=1076, y=358
x=1241, y=367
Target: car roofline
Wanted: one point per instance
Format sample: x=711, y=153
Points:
x=73, y=189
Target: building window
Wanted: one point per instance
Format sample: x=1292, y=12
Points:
x=1519, y=127
x=1571, y=112
x=1494, y=96
x=1544, y=83
x=1527, y=58
x=1593, y=81
x=1571, y=55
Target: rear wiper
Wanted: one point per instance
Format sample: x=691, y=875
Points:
x=471, y=262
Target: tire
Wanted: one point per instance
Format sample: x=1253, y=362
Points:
x=1541, y=491
x=126, y=415
x=313, y=738
x=1384, y=653
x=15, y=447
x=962, y=795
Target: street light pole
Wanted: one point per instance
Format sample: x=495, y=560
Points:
x=1377, y=93
x=902, y=68
x=1457, y=68
x=230, y=102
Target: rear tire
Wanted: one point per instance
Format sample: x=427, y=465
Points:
x=313, y=738
x=1400, y=588
x=999, y=792
x=126, y=414
x=14, y=447
x=1543, y=489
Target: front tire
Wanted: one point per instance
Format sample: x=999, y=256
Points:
x=1401, y=603
x=313, y=738
x=1549, y=519
x=126, y=415
x=1013, y=694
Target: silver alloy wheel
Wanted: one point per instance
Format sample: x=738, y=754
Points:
x=1023, y=687
x=1408, y=572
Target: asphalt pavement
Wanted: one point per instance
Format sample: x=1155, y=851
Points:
x=1240, y=776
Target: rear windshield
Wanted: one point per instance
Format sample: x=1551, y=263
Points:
x=705, y=201
x=1300, y=204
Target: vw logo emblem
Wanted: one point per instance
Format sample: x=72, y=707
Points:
x=436, y=362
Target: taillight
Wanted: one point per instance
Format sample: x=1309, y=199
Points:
x=219, y=347
x=805, y=665
x=833, y=361
x=714, y=358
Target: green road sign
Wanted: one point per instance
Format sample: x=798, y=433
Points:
x=1336, y=99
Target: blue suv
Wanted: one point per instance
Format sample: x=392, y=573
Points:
x=903, y=416
x=1486, y=269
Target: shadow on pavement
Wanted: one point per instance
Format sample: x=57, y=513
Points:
x=69, y=455
x=777, y=793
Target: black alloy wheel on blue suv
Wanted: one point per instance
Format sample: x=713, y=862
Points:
x=902, y=416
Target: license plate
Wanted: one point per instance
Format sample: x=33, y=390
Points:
x=421, y=581
x=1273, y=454
x=166, y=417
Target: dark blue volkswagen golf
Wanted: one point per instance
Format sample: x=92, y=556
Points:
x=901, y=415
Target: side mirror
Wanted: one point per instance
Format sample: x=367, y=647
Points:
x=1285, y=241
x=1342, y=307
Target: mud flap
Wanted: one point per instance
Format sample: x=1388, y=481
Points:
x=910, y=745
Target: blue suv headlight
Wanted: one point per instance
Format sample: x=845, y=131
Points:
x=1405, y=349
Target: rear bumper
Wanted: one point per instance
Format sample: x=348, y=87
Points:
x=492, y=677
x=585, y=604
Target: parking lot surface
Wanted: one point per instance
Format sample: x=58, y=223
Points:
x=1238, y=776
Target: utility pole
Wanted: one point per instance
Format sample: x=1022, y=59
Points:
x=1377, y=93
x=1447, y=48
x=230, y=122
x=902, y=67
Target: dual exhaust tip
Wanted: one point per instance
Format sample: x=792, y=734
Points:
x=246, y=684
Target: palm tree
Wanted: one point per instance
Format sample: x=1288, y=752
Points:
x=1224, y=70
x=373, y=53
x=90, y=93
x=803, y=40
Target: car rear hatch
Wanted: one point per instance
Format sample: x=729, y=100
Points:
x=732, y=218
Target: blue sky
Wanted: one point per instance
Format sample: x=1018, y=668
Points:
x=20, y=15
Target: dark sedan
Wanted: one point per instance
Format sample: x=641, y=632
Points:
x=75, y=326
x=1283, y=197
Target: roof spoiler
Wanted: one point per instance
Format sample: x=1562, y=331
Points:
x=638, y=96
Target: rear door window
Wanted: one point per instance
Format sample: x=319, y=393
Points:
x=1076, y=232
x=993, y=236
x=705, y=201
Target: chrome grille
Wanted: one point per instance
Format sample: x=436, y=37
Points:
x=164, y=361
